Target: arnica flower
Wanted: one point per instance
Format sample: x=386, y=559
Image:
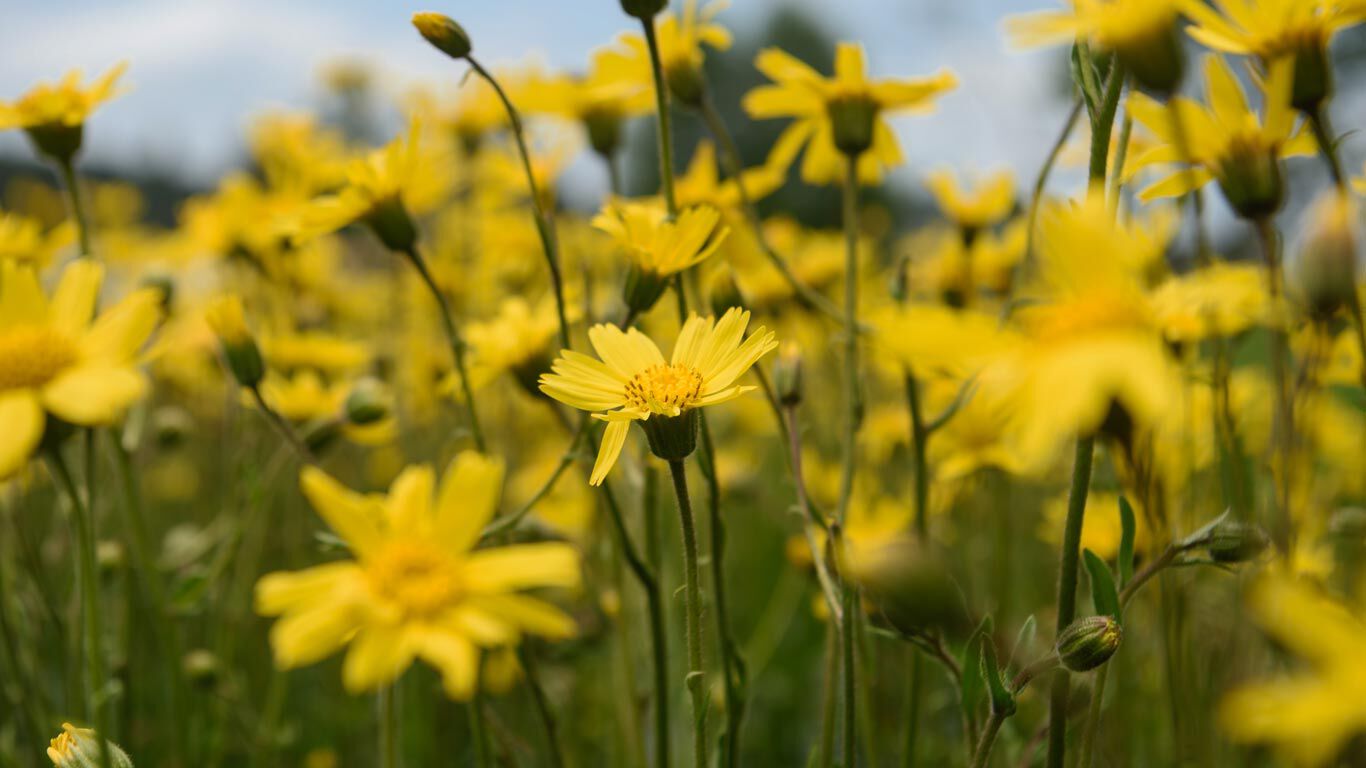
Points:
x=633, y=381
x=1227, y=140
x=985, y=203
x=1093, y=359
x=80, y=748
x=659, y=246
x=54, y=115
x=1299, y=30
x=1143, y=33
x=700, y=184
x=55, y=361
x=383, y=190
x=24, y=239
x=416, y=588
x=682, y=40
x=1311, y=712
x=842, y=114
x=1326, y=265
x=517, y=340
x=599, y=101
x=1221, y=300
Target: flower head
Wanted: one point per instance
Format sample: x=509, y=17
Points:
x=841, y=114
x=416, y=588
x=53, y=115
x=658, y=245
x=24, y=239
x=1142, y=32
x=57, y=359
x=682, y=38
x=80, y=747
x=985, y=203
x=633, y=381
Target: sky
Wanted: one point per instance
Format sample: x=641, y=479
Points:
x=200, y=69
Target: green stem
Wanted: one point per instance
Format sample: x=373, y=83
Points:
x=826, y=754
x=1102, y=124
x=545, y=225
x=1088, y=734
x=919, y=439
x=281, y=426
x=1323, y=132
x=692, y=599
x=851, y=373
x=915, y=680
x=730, y=158
x=86, y=565
x=849, y=758
x=1284, y=430
x=479, y=730
x=1067, y=594
x=533, y=680
x=982, y=757
x=508, y=522
x=387, y=714
x=31, y=705
x=456, y=341
x=732, y=663
x=67, y=168
x=666, y=146
x=1041, y=180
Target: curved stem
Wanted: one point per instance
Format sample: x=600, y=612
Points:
x=666, y=146
x=692, y=599
x=281, y=426
x=508, y=522
x=453, y=337
x=1041, y=180
x=545, y=225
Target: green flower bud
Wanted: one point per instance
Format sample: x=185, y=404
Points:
x=672, y=438
x=57, y=141
x=171, y=426
x=1253, y=182
x=443, y=33
x=228, y=321
x=686, y=82
x=80, y=748
x=643, y=9
x=1089, y=642
x=390, y=222
x=1157, y=62
x=1234, y=541
x=787, y=375
x=367, y=403
x=854, y=119
x=1313, y=75
x=1325, y=268
x=909, y=585
x=604, y=130
x=202, y=668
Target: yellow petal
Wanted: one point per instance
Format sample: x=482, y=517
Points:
x=529, y=614
x=22, y=415
x=613, y=438
x=454, y=655
x=409, y=507
x=468, y=499
x=352, y=516
x=277, y=593
x=303, y=638
x=93, y=394
x=626, y=353
x=522, y=566
x=379, y=654
x=119, y=333
x=73, y=303
x=21, y=297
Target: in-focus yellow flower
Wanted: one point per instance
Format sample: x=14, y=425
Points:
x=80, y=747
x=987, y=202
x=416, y=589
x=23, y=239
x=850, y=99
x=54, y=360
x=1311, y=712
x=658, y=245
x=53, y=115
x=633, y=381
x=1227, y=142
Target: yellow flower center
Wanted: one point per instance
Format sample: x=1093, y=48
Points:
x=32, y=356
x=420, y=579
x=665, y=389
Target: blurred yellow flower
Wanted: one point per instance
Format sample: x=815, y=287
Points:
x=23, y=239
x=682, y=38
x=1270, y=29
x=416, y=589
x=801, y=92
x=633, y=382
x=1101, y=528
x=1109, y=24
x=658, y=244
x=1219, y=300
x=55, y=360
x=700, y=184
x=986, y=202
x=64, y=105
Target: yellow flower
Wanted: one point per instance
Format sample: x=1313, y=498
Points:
x=23, y=239
x=1109, y=24
x=987, y=202
x=600, y=100
x=1312, y=712
x=658, y=244
x=516, y=340
x=55, y=360
x=700, y=184
x=849, y=98
x=416, y=588
x=1221, y=300
x=633, y=382
x=80, y=747
x=932, y=339
x=64, y=105
x=1226, y=140
x=681, y=40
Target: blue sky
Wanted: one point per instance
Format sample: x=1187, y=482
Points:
x=199, y=69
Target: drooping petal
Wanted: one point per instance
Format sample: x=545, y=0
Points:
x=613, y=438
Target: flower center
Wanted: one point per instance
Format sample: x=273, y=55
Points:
x=31, y=356
x=420, y=579
x=665, y=389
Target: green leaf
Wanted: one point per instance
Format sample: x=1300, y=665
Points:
x=1102, y=585
x=1126, y=541
x=1023, y=640
x=972, y=684
x=1002, y=702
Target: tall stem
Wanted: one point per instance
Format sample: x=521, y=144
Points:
x=1284, y=414
x=692, y=600
x=915, y=683
x=849, y=738
x=453, y=337
x=1041, y=180
x=851, y=373
x=1067, y=595
x=732, y=663
x=545, y=224
x=387, y=713
x=67, y=168
x=96, y=684
x=533, y=680
x=1323, y=132
x=666, y=144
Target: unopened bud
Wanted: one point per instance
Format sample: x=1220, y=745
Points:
x=1313, y=75
x=643, y=9
x=1089, y=642
x=787, y=375
x=228, y=321
x=201, y=668
x=368, y=402
x=686, y=82
x=853, y=119
x=109, y=556
x=1235, y=541
x=443, y=33
x=723, y=292
x=604, y=130
x=80, y=748
x=171, y=426
x=1325, y=271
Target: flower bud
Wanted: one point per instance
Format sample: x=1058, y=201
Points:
x=1253, y=182
x=604, y=130
x=443, y=33
x=201, y=668
x=672, y=438
x=787, y=375
x=643, y=9
x=854, y=119
x=1313, y=75
x=1234, y=541
x=57, y=141
x=1325, y=272
x=392, y=224
x=228, y=321
x=1156, y=59
x=910, y=586
x=109, y=556
x=1089, y=642
x=171, y=426
x=367, y=403
x=80, y=748
x=723, y=292
x=686, y=82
